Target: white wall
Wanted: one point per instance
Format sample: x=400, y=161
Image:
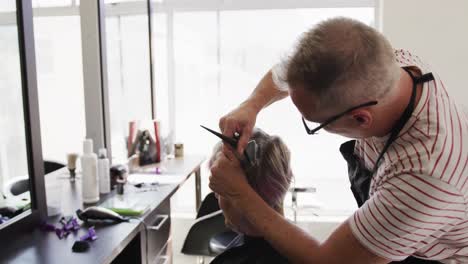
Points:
x=437, y=31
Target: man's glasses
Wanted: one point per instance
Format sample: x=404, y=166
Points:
x=334, y=118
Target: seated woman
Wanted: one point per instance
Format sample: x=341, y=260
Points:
x=270, y=178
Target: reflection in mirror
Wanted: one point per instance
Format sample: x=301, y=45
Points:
x=14, y=177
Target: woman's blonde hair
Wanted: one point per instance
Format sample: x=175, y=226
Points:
x=272, y=175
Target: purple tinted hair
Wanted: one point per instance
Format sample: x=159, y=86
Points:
x=272, y=175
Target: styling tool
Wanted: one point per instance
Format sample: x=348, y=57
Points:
x=96, y=213
x=250, y=154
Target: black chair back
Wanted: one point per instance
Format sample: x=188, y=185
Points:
x=208, y=236
x=209, y=205
x=50, y=166
x=20, y=187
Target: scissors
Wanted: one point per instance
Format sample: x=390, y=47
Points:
x=251, y=150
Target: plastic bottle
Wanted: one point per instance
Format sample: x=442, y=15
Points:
x=90, y=181
x=103, y=172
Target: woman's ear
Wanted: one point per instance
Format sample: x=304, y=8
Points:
x=363, y=118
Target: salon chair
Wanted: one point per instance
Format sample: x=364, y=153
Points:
x=208, y=236
x=19, y=185
x=16, y=186
x=50, y=166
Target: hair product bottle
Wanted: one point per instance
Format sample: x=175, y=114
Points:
x=103, y=171
x=90, y=181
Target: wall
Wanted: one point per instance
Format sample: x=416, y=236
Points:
x=434, y=29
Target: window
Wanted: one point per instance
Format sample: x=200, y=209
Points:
x=129, y=86
x=60, y=85
x=219, y=57
x=13, y=159
x=51, y=3
x=207, y=57
x=119, y=1
x=195, y=77
x=7, y=6
x=161, y=48
x=247, y=51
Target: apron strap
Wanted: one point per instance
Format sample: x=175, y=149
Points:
x=423, y=78
x=406, y=114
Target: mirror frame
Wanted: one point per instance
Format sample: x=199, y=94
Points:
x=28, y=220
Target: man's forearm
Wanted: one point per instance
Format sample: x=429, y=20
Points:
x=287, y=238
x=265, y=94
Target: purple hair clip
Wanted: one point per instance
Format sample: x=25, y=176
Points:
x=3, y=219
x=72, y=225
x=75, y=225
x=47, y=227
x=60, y=233
x=90, y=235
x=68, y=225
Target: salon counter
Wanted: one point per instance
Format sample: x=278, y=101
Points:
x=128, y=242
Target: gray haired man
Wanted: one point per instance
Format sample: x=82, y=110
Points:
x=407, y=164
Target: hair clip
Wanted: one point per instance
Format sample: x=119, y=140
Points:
x=47, y=227
x=72, y=225
x=3, y=219
x=90, y=235
x=251, y=153
x=60, y=233
x=68, y=225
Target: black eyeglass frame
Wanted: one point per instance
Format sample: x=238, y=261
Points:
x=335, y=117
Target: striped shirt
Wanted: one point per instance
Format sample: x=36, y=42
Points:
x=418, y=197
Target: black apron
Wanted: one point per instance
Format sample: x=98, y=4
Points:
x=249, y=250
x=360, y=177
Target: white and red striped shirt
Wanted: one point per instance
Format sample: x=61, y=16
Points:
x=419, y=195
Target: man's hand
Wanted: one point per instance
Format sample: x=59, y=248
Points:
x=227, y=177
x=241, y=120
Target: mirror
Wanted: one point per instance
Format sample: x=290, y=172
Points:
x=19, y=146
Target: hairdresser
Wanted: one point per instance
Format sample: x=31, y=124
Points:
x=407, y=160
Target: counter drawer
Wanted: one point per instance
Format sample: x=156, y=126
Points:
x=158, y=230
